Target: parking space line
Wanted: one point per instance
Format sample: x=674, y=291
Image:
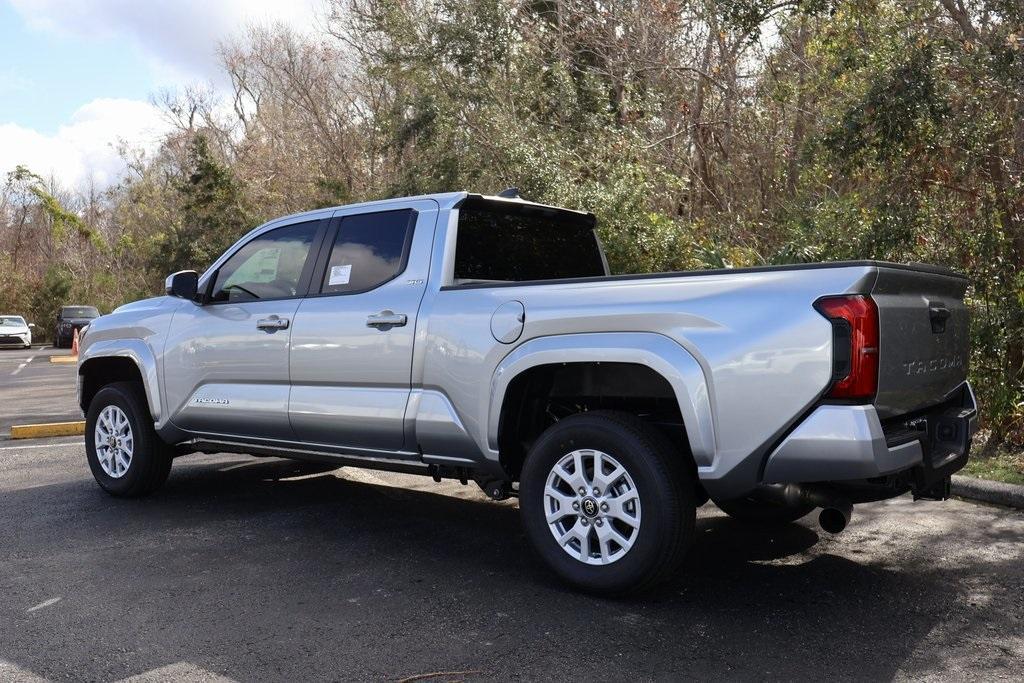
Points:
x=76, y=442
x=22, y=366
x=44, y=603
x=42, y=445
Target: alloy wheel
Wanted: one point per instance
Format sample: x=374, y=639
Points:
x=592, y=507
x=114, y=441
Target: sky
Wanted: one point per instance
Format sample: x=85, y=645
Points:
x=77, y=76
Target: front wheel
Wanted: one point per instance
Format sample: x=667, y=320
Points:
x=126, y=456
x=607, y=502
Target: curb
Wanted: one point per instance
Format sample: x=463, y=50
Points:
x=995, y=492
x=51, y=429
x=63, y=359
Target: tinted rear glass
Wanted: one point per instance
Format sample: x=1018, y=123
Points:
x=79, y=312
x=495, y=245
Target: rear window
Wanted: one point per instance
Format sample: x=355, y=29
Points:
x=498, y=244
x=79, y=312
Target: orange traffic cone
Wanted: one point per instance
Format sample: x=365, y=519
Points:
x=74, y=345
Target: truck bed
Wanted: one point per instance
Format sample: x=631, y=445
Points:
x=917, y=366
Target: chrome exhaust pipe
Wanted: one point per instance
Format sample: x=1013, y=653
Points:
x=835, y=517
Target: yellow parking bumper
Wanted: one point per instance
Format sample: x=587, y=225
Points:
x=51, y=429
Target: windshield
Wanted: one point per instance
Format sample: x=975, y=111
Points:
x=12, y=321
x=79, y=312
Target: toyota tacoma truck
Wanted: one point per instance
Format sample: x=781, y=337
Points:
x=482, y=338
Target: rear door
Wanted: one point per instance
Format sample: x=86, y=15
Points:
x=923, y=337
x=352, y=341
x=226, y=362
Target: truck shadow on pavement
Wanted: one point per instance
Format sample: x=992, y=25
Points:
x=267, y=569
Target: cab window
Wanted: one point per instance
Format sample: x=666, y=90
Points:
x=369, y=250
x=268, y=267
x=507, y=242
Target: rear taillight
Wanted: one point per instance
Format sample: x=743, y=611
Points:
x=854, y=345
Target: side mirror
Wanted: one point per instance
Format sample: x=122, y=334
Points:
x=31, y=324
x=184, y=284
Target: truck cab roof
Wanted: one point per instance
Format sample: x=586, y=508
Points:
x=445, y=200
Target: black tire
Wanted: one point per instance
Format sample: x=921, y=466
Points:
x=150, y=461
x=663, y=482
x=762, y=513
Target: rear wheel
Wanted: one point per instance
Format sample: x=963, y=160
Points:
x=125, y=455
x=759, y=512
x=607, y=503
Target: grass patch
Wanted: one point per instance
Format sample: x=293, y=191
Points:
x=1005, y=466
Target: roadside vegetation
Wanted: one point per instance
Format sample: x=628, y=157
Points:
x=703, y=134
x=1004, y=463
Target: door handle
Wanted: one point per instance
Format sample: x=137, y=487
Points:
x=272, y=323
x=387, y=319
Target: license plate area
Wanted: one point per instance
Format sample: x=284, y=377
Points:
x=944, y=432
x=948, y=438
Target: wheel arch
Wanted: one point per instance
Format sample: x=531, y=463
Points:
x=120, y=360
x=645, y=366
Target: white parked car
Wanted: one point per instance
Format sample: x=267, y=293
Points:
x=14, y=331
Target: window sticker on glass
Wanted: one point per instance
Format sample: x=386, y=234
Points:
x=340, y=275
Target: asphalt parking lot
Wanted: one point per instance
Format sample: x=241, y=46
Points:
x=261, y=569
x=32, y=389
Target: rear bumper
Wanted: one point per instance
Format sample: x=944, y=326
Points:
x=847, y=443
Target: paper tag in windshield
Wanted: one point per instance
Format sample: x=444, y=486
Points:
x=340, y=275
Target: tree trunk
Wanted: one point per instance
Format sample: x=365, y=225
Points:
x=699, y=157
x=799, y=116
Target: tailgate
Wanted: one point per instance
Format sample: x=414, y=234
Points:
x=923, y=337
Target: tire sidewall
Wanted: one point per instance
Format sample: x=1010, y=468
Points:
x=127, y=401
x=662, y=502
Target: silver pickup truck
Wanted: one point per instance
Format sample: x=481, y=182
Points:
x=482, y=338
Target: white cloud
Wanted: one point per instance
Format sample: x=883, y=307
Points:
x=87, y=146
x=181, y=37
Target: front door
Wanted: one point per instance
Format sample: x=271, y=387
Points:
x=352, y=340
x=226, y=362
